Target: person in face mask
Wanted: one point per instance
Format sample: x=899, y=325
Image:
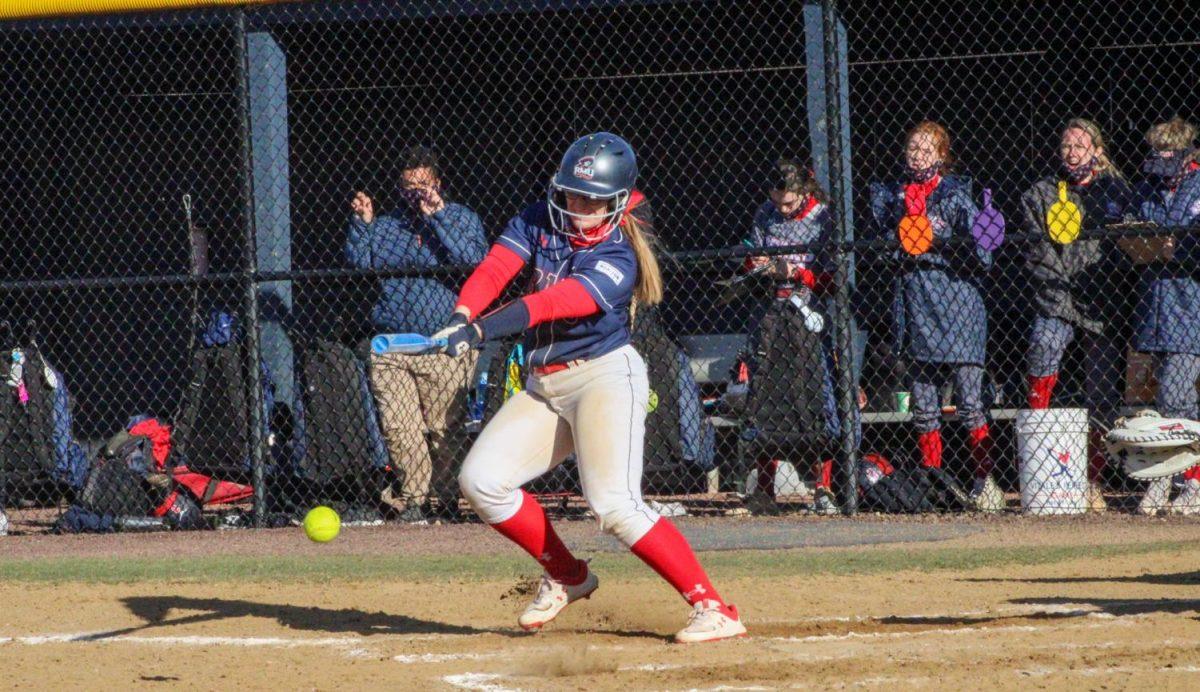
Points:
x=796, y=213
x=939, y=320
x=1074, y=296
x=418, y=395
x=1168, y=312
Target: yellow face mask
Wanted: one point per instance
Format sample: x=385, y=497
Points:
x=1063, y=218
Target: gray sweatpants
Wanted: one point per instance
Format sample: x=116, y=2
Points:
x=927, y=379
x=1177, y=374
x=1048, y=342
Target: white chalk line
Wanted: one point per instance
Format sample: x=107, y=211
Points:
x=409, y=659
x=477, y=681
x=196, y=640
x=728, y=688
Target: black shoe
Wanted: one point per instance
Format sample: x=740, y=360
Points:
x=361, y=516
x=762, y=505
x=413, y=514
x=447, y=512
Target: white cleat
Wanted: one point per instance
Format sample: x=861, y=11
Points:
x=708, y=624
x=1155, y=497
x=552, y=597
x=1188, y=501
x=986, y=495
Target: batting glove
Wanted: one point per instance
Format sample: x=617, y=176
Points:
x=456, y=320
x=462, y=339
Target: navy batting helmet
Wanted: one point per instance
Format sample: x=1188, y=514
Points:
x=598, y=166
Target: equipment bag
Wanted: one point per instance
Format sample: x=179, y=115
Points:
x=784, y=415
x=212, y=429
x=675, y=426
x=915, y=490
x=338, y=436
x=27, y=419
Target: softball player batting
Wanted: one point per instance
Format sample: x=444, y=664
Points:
x=588, y=390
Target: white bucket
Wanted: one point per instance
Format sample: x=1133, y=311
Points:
x=787, y=481
x=1052, y=452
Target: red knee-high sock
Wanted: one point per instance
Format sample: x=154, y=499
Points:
x=1040, y=389
x=766, y=468
x=668, y=553
x=930, y=444
x=980, y=441
x=530, y=528
x=1192, y=474
x=823, y=471
x=1096, y=456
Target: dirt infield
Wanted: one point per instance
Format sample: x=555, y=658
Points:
x=1105, y=616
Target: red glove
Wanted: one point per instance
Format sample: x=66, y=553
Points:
x=805, y=277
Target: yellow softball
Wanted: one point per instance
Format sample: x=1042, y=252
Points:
x=322, y=524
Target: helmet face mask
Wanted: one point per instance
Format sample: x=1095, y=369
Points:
x=599, y=166
x=564, y=220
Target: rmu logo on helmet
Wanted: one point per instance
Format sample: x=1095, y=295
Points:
x=585, y=168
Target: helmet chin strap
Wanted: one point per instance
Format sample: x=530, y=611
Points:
x=593, y=234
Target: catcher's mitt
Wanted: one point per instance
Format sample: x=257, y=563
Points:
x=1151, y=446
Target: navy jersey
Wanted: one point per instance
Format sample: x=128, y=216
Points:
x=607, y=270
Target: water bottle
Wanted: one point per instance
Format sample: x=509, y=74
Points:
x=16, y=375
x=478, y=403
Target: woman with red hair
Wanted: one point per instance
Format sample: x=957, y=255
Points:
x=938, y=316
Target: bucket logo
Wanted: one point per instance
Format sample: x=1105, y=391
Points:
x=1063, y=459
x=585, y=168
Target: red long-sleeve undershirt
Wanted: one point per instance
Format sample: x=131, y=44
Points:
x=489, y=279
x=566, y=299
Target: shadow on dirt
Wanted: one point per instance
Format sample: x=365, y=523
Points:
x=1174, y=579
x=156, y=610
x=1120, y=606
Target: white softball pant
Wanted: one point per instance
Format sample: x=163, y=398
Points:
x=597, y=410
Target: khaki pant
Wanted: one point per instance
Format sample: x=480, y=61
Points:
x=596, y=410
x=420, y=399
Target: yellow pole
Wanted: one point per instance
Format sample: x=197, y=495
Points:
x=34, y=9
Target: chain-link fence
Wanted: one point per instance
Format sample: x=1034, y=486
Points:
x=913, y=258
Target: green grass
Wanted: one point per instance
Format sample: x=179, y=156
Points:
x=723, y=564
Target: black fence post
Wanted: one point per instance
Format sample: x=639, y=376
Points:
x=249, y=278
x=846, y=478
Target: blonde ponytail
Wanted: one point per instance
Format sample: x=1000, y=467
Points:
x=649, y=288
